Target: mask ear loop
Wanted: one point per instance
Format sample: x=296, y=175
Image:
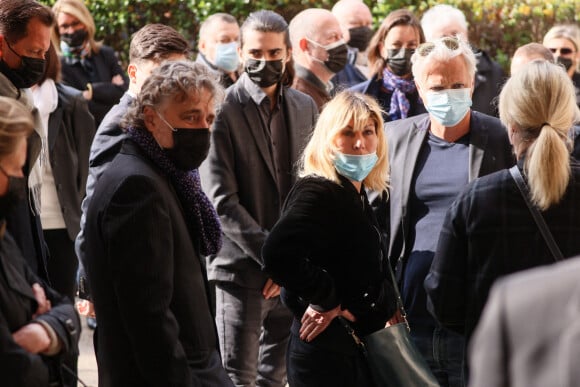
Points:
x=164, y=120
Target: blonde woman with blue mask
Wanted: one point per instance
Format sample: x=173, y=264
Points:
x=326, y=251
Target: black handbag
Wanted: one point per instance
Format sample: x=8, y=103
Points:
x=392, y=357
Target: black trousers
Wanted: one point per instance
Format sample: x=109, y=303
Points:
x=62, y=268
x=63, y=263
x=312, y=366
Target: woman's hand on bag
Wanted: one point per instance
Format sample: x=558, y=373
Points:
x=396, y=319
x=314, y=322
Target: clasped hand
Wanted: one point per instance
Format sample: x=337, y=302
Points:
x=314, y=322
x=33, y=337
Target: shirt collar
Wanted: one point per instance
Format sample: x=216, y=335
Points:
x=255, y=92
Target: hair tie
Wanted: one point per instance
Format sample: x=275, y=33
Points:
x=544, y=124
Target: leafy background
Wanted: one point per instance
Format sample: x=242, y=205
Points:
x=497, y=26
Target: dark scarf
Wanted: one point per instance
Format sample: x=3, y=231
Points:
x=400, y=87
x=196, y=204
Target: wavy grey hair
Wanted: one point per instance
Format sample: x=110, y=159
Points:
x=173, y=81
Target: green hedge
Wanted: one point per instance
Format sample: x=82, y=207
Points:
x=497, y=26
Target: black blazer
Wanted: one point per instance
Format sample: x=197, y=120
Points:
x=148, y=282
x=70, y=132
x=18, y=367
x=105, y=66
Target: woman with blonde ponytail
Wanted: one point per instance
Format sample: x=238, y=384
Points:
x=489, y=231
x=536, y=107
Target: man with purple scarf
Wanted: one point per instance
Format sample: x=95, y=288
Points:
x=433, y=156
x=148, y=227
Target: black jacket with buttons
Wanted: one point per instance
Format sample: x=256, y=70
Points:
x=326, y=251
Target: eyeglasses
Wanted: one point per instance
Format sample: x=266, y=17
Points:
x=563, y=50
x=451, y=43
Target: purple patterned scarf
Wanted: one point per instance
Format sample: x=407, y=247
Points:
x=196, y=204
x=399, y=87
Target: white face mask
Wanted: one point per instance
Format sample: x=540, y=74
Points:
x=226, y=56
x=448, y=106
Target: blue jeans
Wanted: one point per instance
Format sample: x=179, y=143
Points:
x=253, y=334
x=444, y=352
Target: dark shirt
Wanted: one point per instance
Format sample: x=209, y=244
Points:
x=440, y=174
x=273, y=124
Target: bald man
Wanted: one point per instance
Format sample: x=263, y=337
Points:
x=527, y=53
x=355, y=21
x=219, y=38
x=536, y=51
x=319, y=52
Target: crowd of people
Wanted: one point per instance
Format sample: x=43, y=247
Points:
x=235, y=220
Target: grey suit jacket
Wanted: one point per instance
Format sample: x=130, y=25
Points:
x=489, y=151
x=239, y=178
x=529, y=334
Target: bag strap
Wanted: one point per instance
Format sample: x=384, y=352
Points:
x=523, y=187
x=398, y=295
x=357, y=340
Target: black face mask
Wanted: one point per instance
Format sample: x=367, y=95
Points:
x=360, y=37
x=337, y=58
x=76, y=39
x=29, y=73
x=399, y=60
x=566, y=62
x=190, y=147
x=15, y=193
x=264, y=73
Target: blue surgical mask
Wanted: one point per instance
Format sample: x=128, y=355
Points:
x=355, y=167
x=448, y=106
x=226, y=56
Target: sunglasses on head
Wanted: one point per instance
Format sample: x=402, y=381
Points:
x=563, y=51
x=451, y=43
